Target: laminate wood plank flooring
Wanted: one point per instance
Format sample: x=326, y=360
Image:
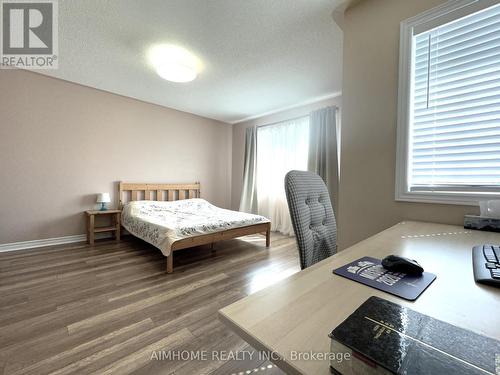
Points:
x=111, y=308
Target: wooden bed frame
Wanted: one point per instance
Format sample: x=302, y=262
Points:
x=172, y=192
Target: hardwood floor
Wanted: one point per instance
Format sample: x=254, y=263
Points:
x=111, y=308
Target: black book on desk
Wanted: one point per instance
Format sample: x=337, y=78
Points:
x=382, y=337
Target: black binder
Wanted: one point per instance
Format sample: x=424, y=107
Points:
x=383, y=337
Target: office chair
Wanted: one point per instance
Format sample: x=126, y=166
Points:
x=312, y=216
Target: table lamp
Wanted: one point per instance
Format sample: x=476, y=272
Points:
x=103, y=198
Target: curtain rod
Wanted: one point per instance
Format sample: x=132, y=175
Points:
x=292, y=119
x=280, y=122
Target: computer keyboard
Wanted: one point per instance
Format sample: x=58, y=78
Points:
x=486, y=262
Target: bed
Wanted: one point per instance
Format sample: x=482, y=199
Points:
x=172, y=217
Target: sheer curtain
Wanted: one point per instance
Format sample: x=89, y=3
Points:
x=280, y=148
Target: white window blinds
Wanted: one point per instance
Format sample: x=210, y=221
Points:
x=454, y=135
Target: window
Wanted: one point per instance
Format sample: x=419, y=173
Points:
x=281, y=147
x=449, y=104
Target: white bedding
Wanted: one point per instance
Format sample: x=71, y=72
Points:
x=163, y=223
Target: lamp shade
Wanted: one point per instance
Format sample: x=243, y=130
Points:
x=103, y=198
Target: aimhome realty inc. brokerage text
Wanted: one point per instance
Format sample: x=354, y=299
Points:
x=244, y=355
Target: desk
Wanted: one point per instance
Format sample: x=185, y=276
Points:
x=297, y=313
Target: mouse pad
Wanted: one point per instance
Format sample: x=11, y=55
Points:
x=369, y=271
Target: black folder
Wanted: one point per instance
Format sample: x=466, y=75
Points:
x=384, y=337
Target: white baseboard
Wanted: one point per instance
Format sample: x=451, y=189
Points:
x=24, y=245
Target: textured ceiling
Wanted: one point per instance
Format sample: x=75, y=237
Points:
x=258, y=55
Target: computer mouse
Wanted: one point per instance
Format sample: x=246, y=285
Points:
x=396, y=263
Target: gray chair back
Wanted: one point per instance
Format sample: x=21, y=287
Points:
x=312, y=216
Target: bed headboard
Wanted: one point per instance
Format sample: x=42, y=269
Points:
x=158, y=192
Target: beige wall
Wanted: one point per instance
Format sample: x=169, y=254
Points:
x=60, y=143
x=369, y=111
x=239, y=139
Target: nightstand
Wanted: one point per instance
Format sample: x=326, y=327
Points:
x=115, y=216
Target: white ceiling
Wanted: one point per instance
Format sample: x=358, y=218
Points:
x=258, y=55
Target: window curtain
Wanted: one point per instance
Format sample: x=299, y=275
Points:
x=323, y=151
x=248, y=202
x=281, y=148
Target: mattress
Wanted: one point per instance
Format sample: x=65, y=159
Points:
x=162, y=223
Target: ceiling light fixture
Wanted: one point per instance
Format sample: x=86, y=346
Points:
x=174, y=63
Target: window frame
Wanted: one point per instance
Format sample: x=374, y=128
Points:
x=440, y=15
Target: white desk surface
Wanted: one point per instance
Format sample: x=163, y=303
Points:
x=296, y=314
